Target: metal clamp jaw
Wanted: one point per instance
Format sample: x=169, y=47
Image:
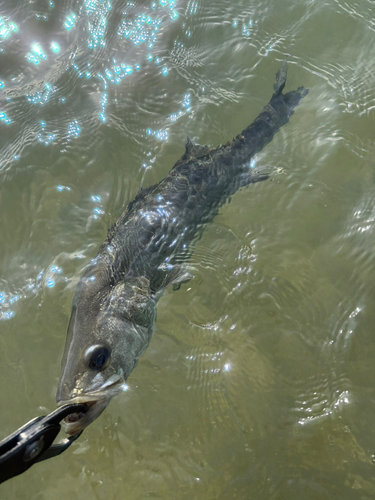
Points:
x=32, y=442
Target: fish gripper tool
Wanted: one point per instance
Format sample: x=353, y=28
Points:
x=33, y=442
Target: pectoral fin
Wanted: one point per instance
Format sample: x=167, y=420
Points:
x=168, y=274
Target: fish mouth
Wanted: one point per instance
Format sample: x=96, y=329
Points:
x=96, y=402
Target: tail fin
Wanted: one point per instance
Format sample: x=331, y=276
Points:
x=291, y=99
x=281, y=75
x=274, y=115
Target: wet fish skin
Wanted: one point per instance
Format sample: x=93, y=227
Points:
x=114, y=306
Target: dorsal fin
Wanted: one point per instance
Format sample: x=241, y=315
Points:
x=195, y=150
x=192, y=152
x=189, y=146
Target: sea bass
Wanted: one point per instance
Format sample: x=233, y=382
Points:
x=114, y=307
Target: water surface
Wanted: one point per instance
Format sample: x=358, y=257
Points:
x=259, y=382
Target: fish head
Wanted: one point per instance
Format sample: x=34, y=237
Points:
x=111, y=325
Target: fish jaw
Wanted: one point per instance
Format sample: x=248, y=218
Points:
x=96, y=402
x=77, y=422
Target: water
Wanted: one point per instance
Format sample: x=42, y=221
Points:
x=259, y=382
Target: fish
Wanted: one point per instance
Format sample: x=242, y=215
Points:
x=114, y=307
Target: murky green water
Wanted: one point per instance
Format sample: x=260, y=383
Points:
x=259, y=382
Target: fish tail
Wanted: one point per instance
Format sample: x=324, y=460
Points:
x=281, y=76
x=276, y=114
x=291, y=99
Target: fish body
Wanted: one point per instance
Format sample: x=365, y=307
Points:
x=114, y=307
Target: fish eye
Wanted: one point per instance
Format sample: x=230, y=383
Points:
x=97, y=357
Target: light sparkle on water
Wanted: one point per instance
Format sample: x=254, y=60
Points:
x=74, y=129
x=145, y=29
x=14, y=299
x=6, y=28
x=42, y=17
x=31, y=287
x=141, y=29
x=186, y=105
x=36, y=55
x=193, y=8
x=4, y=118
x=50, y=283
x=104, y=100
x=41, y=97
x=45, y=137
x=55, y=47
x=6, y=315
x=97, y=12
x=70, y=21
x=160, y=135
